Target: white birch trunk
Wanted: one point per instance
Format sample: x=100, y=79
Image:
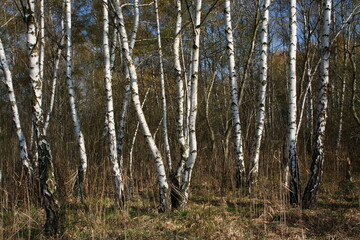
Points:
x=343, y=90
x=34, y=74
x=42, y=40
x=313, y=185
x=46, y=168
x=193, y=105
x=260, y=114
x=163, y=94
x=292, y=111
x=127, y=94
x=118, y=180
x=15, y=112
x=180, y=91
x=78, y=188
x=240, y=166
x=131, y=179
x=162, y=179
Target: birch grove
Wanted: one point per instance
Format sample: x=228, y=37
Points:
x=230, y=88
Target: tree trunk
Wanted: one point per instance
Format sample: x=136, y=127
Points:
x=316, y=170
x=181, y=189
x=46, y=169
x=15, y=112
x=260, y=114
x=163, y=95
x=117, y=174
x=81, y=174
x=240, y=166
x=292, y=112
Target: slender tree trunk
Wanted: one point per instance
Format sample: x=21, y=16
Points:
x=55, y=75
x=131, y=158
x=46, y=169
x=15, y=112
x=78, y=187
x=117, y=174
x=343, y=90
x=127, y=94
x=313, y=185
x=162, y=179
x=163, y=95
x=260, y=115
x=186, y=178
x=240, y=166
x=292, y=112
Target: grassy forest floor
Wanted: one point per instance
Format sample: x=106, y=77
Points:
x=207, y=216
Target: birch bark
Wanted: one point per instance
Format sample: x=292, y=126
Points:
x=292, y=111
x=240, y=166
x=117, y=174
x=260, y=114
x=163, y=94
x=80, y=178
x=127, y=95
x=189, y=165
x=314, y=182
x=15, y=112
x=46, y=168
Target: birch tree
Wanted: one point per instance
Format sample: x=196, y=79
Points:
x=240, y=166
x=180, y=190
x=260, y=112
x=46, y=168
x=163, y=95
x=80, y=178
x=118, y=180
x=24, y=157
x=127, y=94
x=162, y=179
x=316, y=169
x=181, y=114
x=292, y=111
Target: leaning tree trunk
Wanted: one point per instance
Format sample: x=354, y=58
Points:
x=162, y=179
x=46, y=169
x=316, y=170
x=15, y=112
x=117, y=174
x=80, y=178
x=260, y=114
x=163, y=95
x=127, y=94
x=240, y=166
x=292, y=112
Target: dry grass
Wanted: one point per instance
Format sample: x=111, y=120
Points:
x=206, y=217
